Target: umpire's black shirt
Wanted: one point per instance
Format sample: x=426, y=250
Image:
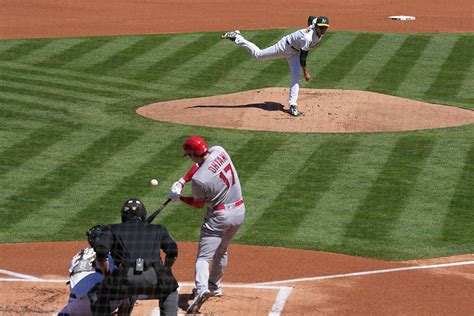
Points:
x=135, y=239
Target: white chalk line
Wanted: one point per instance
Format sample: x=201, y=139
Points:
x=363, y=273
x=280, y=300
x=277, y=307
x=19, y=275
x=283, y=291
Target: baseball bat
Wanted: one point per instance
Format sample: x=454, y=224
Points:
x=155, y=213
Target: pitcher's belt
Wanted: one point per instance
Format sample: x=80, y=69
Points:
x=222, y=206
x=288, y=42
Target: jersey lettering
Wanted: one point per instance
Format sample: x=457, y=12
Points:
x=224, y=178
x=218, y=162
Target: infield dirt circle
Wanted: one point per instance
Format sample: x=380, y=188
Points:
x=260, y=279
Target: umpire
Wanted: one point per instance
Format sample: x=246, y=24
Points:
x=135, y=246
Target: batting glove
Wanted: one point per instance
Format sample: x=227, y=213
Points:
x=174, y=197
x=178, y=186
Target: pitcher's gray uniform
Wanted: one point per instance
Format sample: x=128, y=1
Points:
x=216, y=181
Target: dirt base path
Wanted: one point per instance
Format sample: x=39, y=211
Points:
x=53, y=18
x=258, y=278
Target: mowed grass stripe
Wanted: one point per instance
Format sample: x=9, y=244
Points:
x=384, y=203
x=165, y=47
x=30, y=90
x=261, y=191
x=452, y=74
x=13, y=101
x=422, y=75
x=55, y=47
x=80, y=49
x=39, y=192
x=95, y=50
x=88, y=85
x=300, y=195
x=56, y=93
x=8, y=44
x=253, y=155
x=346, y=60
x=130, y=178
x=364, y=72
x=421, y=223
x=333, y=211
x=466, y=92
x=224, y=62
x=95, y=94
x=331, y=46
x=395, y=71
x=458, y=228
x=19, y=113
x=23, y=48
x=39, y=166
x=39, y=140
x=163, y=67
x=248, y=67
x=25, y=117
x=137, y=47
x=106, y=83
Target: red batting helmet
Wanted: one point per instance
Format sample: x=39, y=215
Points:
x=195, y=145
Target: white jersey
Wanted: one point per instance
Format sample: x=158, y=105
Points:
x=216, y=181
x=303, y=39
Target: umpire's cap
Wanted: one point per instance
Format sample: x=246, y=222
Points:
x=93, y=234
x=133, y=209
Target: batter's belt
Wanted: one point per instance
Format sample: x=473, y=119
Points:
x=223, y=206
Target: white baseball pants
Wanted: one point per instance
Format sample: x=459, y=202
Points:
x=280, y=50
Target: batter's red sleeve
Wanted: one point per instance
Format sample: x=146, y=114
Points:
x=192, y=202
x=189, y=175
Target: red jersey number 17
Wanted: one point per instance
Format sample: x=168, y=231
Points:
x=224, y=176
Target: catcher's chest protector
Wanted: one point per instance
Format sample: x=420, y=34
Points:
x=83, y=262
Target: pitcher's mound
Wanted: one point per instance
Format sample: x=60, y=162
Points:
x=322, y=111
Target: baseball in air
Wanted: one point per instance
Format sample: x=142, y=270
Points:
x=154, y=182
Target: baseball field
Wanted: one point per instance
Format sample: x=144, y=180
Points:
x=378, y=221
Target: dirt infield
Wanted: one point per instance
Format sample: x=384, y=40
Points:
x=317, y=282
x=258, y=280
x=55, y=18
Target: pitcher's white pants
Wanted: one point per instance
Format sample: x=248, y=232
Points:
x=280, y=50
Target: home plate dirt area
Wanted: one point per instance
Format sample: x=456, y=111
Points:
x=261, y=281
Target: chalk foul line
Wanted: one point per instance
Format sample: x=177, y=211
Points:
x=355, y=274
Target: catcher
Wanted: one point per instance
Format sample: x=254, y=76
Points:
x=84, y=275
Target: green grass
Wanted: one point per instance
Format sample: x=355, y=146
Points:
x=72, y=148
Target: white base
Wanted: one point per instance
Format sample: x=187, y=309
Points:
x=402, y=17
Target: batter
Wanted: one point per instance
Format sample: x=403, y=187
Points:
x=294, y=47
x=215, y=182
